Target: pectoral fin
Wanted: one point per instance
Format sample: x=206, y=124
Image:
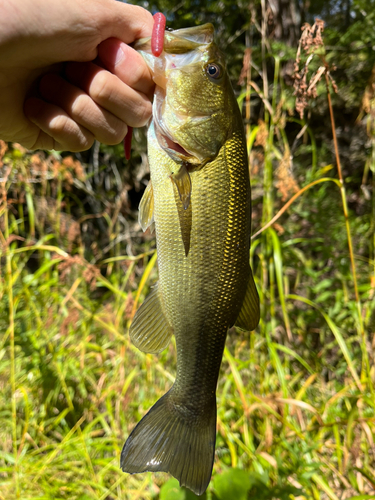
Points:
x=185, y=217
x=182, y=194
x=146, y=208
x=150, y=330
x=183, y=183
x=248, y=318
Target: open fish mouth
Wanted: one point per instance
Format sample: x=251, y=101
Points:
x=168, y=144
x=175, y=150
x=166, y=139
x=179, y=126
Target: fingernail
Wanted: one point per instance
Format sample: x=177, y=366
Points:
x=120, y=55
x=111, y=52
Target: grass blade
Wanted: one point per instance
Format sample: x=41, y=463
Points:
x=336, y=332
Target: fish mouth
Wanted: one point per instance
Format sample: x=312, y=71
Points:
x=173, y=148
x=166, y=140
x=177, y=152
x=193, y=160
x=169, y=144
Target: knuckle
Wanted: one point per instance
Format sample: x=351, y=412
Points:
x=145, y=19
x=100, y=89
x=82, y=145
x=143, y=113
x=43, y=141
x=59, y=125
x=65, y=131
x=117, y=134
x=81, y=106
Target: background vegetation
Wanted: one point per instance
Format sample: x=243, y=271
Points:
x=296, y=406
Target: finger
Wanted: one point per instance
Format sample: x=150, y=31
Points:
x=55, y=123
x=106, y=127
x=132, y=107
x=125, y=21
x=127, y=64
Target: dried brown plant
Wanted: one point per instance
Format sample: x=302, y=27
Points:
x=245, y=66
x=129, y=306
x=69, y=323
x=71, y=264
x=74, y=166
x=3, y=150
x=368, y=105
x=262, y=134
x=304, y=83
x=286, y=183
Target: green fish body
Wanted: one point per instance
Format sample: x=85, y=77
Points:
x=199, y=200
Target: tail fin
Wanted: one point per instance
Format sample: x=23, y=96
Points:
x=170, y=439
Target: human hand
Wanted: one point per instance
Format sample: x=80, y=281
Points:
x=103, y=87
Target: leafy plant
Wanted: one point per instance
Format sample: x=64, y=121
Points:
x=296, y=409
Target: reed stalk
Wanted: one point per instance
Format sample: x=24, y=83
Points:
x=10, y=333
x=365, y=372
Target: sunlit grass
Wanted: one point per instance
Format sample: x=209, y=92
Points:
x=80, y=387
x=296, y=410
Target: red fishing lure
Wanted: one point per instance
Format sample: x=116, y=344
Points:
x=157, y=38
x=128, y=143
x=157, y=43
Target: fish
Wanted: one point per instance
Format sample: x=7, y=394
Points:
x=199, y=202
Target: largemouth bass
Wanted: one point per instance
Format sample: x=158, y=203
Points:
x=199, y=200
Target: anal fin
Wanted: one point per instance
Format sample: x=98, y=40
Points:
x=150, y=330
x=248, y=318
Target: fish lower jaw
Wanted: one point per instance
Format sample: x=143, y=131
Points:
x=177, y=152
x=174, y=149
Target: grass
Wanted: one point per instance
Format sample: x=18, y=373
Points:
x=296, y=406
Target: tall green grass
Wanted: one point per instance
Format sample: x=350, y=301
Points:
x=296, y=408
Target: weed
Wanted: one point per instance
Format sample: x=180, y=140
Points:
x=296, y=411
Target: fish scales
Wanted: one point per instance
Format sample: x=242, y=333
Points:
x=199, y=200
x=198, y=298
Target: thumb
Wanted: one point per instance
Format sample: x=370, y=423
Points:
x=124, y=21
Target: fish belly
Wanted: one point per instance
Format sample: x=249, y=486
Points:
x=203, y=291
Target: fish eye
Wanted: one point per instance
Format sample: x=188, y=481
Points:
x=214, y=71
